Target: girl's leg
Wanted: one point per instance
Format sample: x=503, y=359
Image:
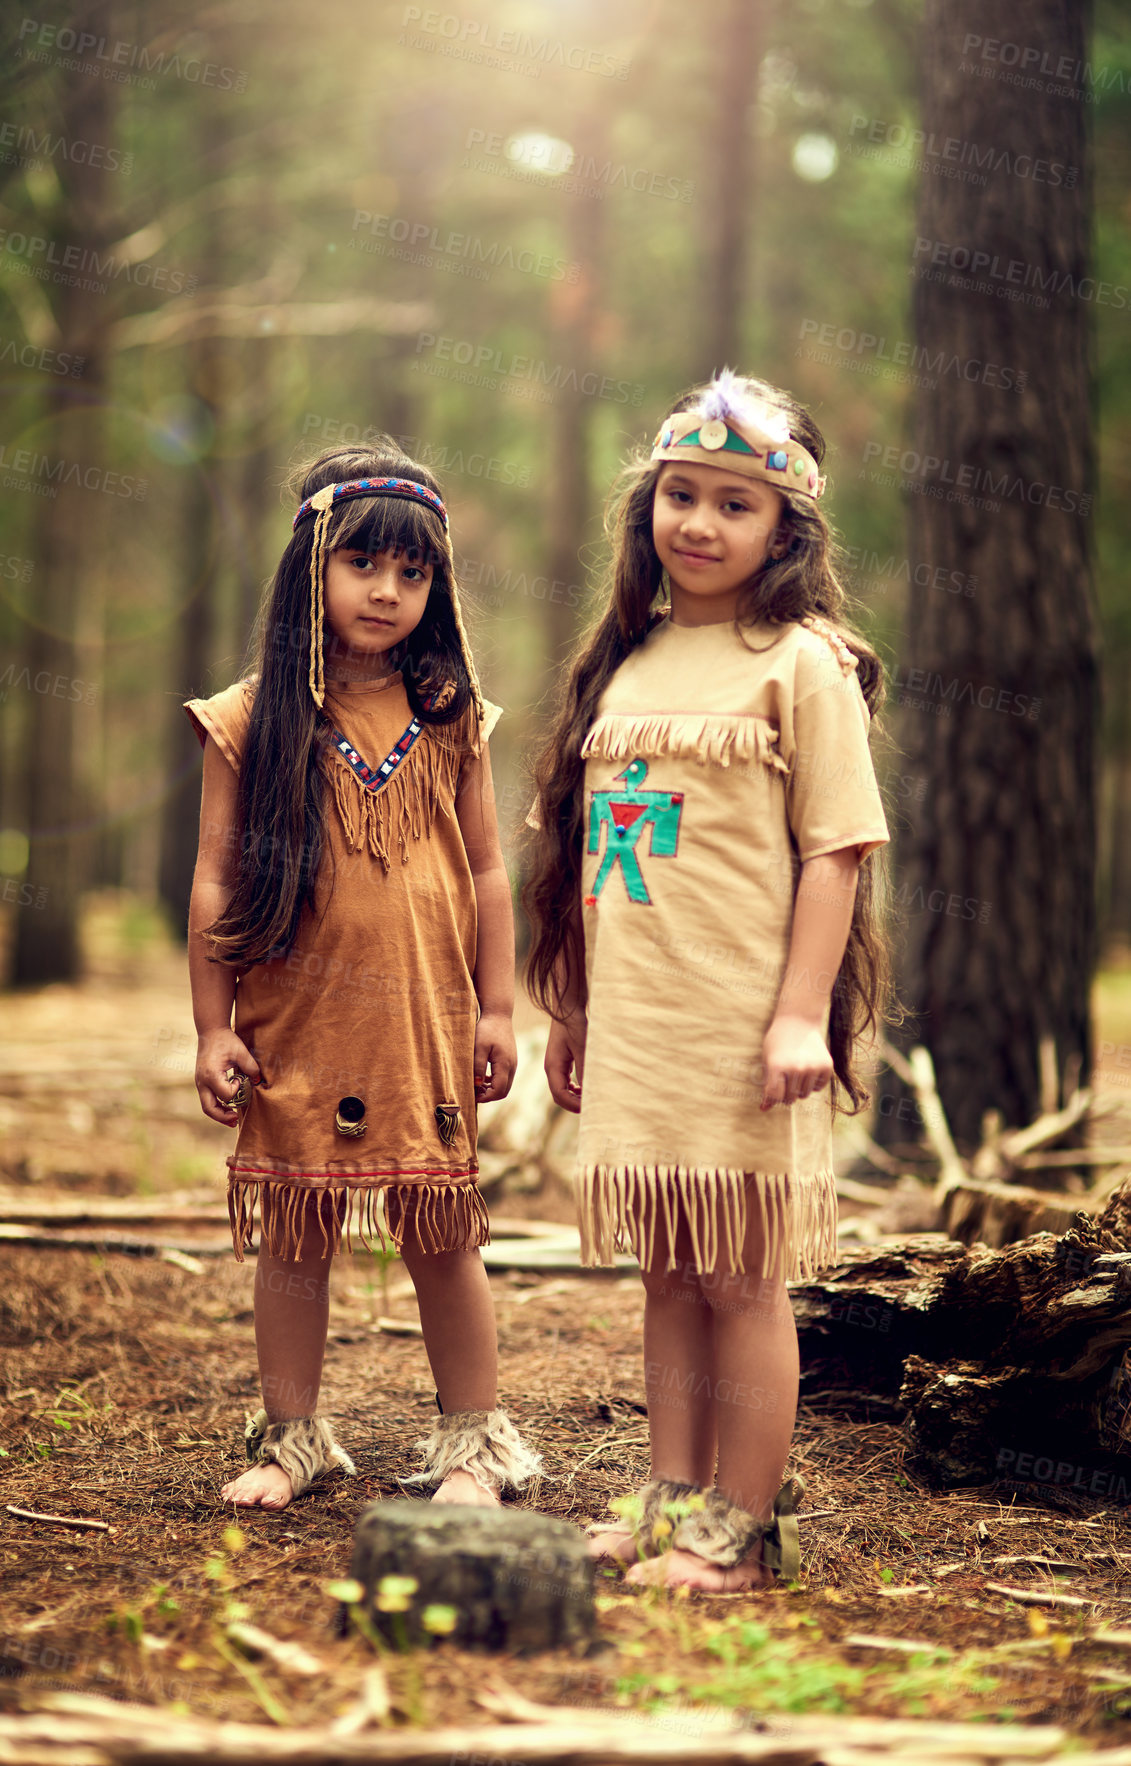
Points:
x=292, y=1308
x=753, y=1383
x=457, y=1316
x=677, y=1383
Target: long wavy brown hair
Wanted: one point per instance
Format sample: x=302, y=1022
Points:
x=281, y=810
x=803, y=581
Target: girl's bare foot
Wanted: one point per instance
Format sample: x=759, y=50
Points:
x=262, y=1486
x=615, y=1543
x=684, y=1569
x=461, y=1487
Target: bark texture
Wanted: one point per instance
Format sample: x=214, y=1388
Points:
x=999, y=686
x=517, y=1580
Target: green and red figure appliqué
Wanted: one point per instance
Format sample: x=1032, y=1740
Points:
x=625, y=815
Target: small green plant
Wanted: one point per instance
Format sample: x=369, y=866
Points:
x=384, y=1257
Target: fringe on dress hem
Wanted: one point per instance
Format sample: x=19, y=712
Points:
x=447, y=1216
x=621, y=1208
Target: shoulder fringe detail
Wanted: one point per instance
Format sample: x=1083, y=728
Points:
x=482, y=1442
x=710, y=738
x=404, y=809
x=621, y=1208
x=298, y=1219
x=847, y=658
x=302, y=1446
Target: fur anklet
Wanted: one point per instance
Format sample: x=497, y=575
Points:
x=666, y=1515
x=301, y=1446
x=482, y=1442
x=722, y=1534
x=650, y=1514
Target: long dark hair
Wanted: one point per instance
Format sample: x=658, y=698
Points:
x=784, y=590
x=281, y=785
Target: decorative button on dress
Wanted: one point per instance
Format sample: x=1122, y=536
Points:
x=716, y=765
x=374, y=1002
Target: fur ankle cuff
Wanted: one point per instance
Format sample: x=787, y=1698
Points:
x=725, y=1535
x=482, y=1442
x=718, y=1532
x=303, y=1446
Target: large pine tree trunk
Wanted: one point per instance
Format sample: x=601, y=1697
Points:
x=995, y=870
x=730, y=186
x=66, y=533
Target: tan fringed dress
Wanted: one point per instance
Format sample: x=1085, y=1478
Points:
x=716, y=764
x=375, y=999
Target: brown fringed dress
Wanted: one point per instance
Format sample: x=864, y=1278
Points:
x=374, y=1000
x=716, y=765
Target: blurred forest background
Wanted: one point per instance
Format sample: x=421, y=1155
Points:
x=235, y=235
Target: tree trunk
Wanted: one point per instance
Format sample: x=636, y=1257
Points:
x=575, y=313
x=66, y=533
x=730, y=189
x=995, y=873
x=202, y=515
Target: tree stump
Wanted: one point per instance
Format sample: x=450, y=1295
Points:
x=516, y=1580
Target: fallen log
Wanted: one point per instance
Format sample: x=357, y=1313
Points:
x=73, y=1730
x=997, y=1361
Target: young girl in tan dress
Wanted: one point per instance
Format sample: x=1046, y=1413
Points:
x=705, y=942
x=351, y=904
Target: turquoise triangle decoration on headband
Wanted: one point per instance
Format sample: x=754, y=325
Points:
x=320, y=506
x=754, y=438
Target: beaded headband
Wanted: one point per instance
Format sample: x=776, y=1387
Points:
x=729, y=429
x=320, y=506
x=377, y=487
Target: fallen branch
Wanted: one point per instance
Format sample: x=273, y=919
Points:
x=27, y=1514
x=1039, y=1597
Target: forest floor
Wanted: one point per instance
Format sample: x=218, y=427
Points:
x=126, y=1384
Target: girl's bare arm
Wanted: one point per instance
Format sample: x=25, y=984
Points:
x=795, y=1056
x=495, y=1052
x=213, y=984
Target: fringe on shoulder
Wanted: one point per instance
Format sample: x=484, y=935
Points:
x=621, y=1208
x=710, y=738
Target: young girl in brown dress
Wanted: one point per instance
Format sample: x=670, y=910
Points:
x=351, y=908
x=705, y=942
